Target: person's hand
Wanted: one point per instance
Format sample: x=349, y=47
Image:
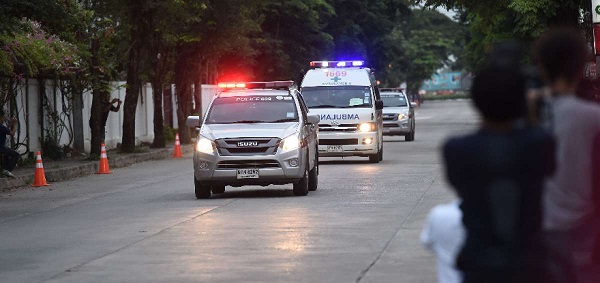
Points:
x=114, y=100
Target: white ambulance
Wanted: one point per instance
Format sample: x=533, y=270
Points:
x=345, y=96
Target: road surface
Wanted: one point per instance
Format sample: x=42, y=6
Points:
x=143, y=223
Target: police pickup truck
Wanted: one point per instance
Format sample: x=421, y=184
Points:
x=256, y=133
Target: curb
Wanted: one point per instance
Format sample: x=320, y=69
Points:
x=91, y=167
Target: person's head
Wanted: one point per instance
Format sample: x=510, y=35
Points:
x=499, y=94
x=561, y=55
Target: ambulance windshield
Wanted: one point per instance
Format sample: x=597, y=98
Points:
x=337, y=97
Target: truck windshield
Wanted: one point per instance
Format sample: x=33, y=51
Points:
x=252, y=109
x=337, y=97
x=393, y=100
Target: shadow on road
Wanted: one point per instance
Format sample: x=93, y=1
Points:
x=256, y=193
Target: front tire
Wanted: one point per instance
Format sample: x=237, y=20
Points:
x=313, y=177
x=202, y=190
x=301, y=187
x=381, y=154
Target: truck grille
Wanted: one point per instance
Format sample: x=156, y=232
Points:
x=251, y=146
x=390, y=117
x=338, y=142
x=340, y=128
x=248, y=164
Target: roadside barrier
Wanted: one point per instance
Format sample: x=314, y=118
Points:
x=103, y=167
x=40, y=177
x=177, y=153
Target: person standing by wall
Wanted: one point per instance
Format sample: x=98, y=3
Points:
x=12, y=155
x=498, y=172
x=571, y=228
x=107, y=107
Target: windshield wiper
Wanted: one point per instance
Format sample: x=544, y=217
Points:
x=248, y=122
x=359, y=105
x=324, y=106
x=285, y=120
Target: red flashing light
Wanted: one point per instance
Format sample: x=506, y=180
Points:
x=232, y=85
x=257, y=85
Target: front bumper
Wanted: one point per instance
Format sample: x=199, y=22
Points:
x=397, y=128
x=272, y=169
x=352, y=144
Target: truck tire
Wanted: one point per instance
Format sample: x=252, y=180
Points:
x=301, y=187
x=313, y=176
x=202, y=190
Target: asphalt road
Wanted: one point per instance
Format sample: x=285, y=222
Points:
x=143, y=223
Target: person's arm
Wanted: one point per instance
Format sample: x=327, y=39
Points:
x=108, y=106
x=426, y=238
x=116, y=109
x=13, y=126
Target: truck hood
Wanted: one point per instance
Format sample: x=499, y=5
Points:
x=258, y=130
x=343, y=115
x=395, y=110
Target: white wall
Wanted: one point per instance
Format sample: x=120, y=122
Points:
x=28, y=105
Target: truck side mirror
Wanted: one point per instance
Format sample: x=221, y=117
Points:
x=313, y=119
x=193, y=121
x=378, y=104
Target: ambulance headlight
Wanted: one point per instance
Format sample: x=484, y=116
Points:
x=290, y=143
x=205, y=145
x=366, y=127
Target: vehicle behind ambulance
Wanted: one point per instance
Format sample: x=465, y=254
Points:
x=344, y=94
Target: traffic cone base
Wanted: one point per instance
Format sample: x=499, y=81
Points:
x=40, y=177
x=177, y=153
x=103, y=167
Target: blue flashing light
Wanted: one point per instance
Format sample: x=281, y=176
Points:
x=337, y=64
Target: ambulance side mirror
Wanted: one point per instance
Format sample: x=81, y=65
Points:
x=378, y=104
x=193, y=121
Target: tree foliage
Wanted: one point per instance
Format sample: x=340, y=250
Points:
x=493, y=21
x=191, y=42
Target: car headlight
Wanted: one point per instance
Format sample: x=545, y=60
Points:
x=402, y=116
x=366, y=127
x=290, y=143
x=205, y=145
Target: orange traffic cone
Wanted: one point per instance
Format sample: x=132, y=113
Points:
x=177, y=153
x=40, y=176
x=103, y=167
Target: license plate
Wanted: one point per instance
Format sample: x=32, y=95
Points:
x=247, y=173
x=335, y=148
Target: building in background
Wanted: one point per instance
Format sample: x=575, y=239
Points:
x=447, y=83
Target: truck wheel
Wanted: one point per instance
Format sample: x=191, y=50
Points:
x=301, y=187
x=410, y=136
x=202, y=190
x=218, y=189
x=313, y=177
x=381, y=154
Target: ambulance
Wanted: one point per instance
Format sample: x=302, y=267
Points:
x=344, y=94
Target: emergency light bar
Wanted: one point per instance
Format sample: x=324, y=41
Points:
x=337, y=64
x=395, y=89
x=258, y=85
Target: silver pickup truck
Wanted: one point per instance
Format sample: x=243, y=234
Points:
x=256, y=134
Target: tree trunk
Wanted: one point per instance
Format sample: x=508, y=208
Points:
x=198, y=95
x=183, y=83
x=159, y=123
x=78, y=123
x=132, y=93
x=131, y=99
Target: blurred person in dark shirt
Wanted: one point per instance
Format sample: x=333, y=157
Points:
x=498, y=171
x=570, y=213
x=12, y=155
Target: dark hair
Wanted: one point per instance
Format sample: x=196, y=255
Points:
x=499, y=94
x=561, y=53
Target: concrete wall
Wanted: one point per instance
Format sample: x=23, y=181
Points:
x=34, y=115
